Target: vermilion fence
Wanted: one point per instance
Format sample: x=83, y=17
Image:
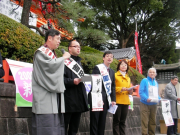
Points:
x=7, y=77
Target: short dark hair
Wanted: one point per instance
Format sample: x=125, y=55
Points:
x=52, y=33
x=120, y=64
x=173, y=77
x=107, y=52
x=71, y=43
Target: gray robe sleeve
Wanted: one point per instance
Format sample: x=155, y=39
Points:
x=48, y=73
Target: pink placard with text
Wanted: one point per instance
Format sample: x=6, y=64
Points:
x=23, y=80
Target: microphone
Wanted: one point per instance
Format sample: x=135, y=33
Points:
x=63, y=51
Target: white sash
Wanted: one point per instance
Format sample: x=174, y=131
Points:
x=97, y=102
x=47, y=51
x=75, y=67
x=153, y=92
x=106, y=80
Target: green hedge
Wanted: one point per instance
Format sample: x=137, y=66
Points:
x=18, y=42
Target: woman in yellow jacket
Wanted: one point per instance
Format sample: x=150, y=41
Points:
x=122, y=98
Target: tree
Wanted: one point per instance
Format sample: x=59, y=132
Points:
x=25, y=13
x=157, y=21
x=66, y=15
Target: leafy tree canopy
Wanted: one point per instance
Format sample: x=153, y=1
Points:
x=66, y=14
x=157, y=24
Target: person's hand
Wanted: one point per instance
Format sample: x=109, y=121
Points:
x=77, y=81
x=66, y=55
x=113, y=103
x=124, y=89
x=130, y=92
x=178, y=99
x=148, y=100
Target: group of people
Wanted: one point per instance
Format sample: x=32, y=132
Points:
x=148, y=107
x=60, y=97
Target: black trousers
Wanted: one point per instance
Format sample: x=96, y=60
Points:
x=172, y=129
x=119, y=119
x=98, y=120
x=72, y=121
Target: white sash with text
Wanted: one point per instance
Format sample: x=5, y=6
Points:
x=47, y=51
x=106, y=80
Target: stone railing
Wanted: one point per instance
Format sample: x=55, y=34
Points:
x=13, y=122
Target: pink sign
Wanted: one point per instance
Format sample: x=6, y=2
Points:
x=23, y=81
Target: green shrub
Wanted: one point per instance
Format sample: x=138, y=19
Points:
x=135, y=76
x=18, y=42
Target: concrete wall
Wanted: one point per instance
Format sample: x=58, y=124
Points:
x=12, y=122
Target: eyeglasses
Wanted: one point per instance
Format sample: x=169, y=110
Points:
x=76, y=47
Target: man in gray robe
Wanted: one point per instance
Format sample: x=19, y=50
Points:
x=47, y=81
x=171, y=94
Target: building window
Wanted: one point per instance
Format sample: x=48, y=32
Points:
x=165, y=75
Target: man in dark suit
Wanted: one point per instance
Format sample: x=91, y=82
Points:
x=171, y=94
x=75, y=94
x=1, y=67
x=98, y=118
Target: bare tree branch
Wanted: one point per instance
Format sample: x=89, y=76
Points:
x=37, y=29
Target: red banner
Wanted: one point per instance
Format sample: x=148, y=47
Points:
x=137, y=52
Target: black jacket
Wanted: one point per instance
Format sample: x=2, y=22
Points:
x=104, y=95
x=1, y=67
x=75, y=95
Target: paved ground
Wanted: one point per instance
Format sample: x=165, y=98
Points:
x=162, y=134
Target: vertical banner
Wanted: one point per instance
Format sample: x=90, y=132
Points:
x=137, y=52
x=22, y=73
x=96, y=95
x=166, y=111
